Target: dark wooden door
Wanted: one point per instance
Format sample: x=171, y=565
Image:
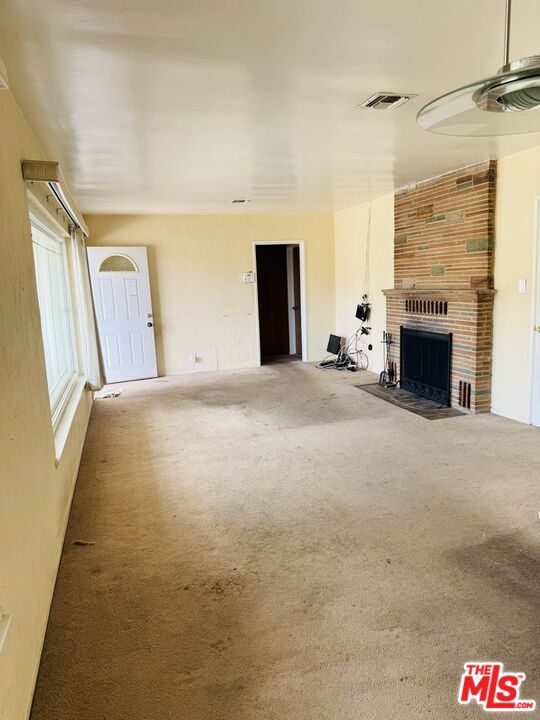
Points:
x=297, y=300
x=273, y=301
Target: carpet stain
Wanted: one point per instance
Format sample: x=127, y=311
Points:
x=271, y=544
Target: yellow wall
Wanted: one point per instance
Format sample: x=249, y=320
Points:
x=35, y=493
x=518, y=184
x=200, y=303
x=351, y=233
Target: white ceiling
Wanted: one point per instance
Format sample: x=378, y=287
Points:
x=183, y=105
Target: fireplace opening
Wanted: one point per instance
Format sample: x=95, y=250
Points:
x=425, y=363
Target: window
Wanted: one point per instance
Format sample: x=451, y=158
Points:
x=117, y=263
x=56, y=315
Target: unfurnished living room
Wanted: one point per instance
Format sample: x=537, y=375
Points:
x=270, y=354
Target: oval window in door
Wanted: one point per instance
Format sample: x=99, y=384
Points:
x=118, y=263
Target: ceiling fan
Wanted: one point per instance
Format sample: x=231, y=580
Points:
x=503, y=104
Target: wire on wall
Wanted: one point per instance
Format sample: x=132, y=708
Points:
x=368, y=249
x=351, y=354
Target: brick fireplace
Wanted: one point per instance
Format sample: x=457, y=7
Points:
x=443, y=272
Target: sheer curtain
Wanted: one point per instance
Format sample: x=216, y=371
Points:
x=91, y=356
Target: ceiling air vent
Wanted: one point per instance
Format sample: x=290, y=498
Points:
x=384, y=101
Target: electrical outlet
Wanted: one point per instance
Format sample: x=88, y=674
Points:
x=5, y=622
x=194, y=359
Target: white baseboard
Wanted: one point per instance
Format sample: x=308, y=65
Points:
x=510, y=416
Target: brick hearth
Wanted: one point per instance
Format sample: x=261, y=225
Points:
x=443, y=269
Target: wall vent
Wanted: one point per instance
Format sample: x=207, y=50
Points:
x=465, y=394
x=384, y=101
x=426, y=307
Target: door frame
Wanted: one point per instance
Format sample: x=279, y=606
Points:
x=534, y=382
x=303, y=310
x=290, y=299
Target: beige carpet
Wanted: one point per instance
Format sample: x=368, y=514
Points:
x=273, y=543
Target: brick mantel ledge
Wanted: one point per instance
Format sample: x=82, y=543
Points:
x=441, y=293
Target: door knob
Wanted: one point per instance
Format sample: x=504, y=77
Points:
x=537, y=328
x=148, y=324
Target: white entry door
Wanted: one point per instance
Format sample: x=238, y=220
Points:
x=121, y=290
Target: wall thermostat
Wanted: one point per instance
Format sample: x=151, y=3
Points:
x=248, y=277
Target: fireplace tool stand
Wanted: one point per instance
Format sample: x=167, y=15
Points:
x=388, y=377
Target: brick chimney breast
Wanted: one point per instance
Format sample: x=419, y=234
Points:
x=444, y=249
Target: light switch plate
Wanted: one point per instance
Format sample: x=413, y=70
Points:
x=248, y=277
x=522, y=285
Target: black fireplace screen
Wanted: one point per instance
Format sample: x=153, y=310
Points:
x=425, y=363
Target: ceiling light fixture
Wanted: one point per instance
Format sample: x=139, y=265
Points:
x=503, y=104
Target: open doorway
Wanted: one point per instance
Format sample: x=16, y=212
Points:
x=280, y=307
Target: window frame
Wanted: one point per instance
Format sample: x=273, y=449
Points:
x=54, y=231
